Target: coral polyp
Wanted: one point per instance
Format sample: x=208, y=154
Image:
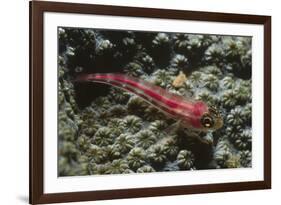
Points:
x=136, y=158
x=105, y=129
x=134, y=69
x=215, y=54
x=196, y=78
x=171, y=148
x=161, y=39
x=207, y=97
x=158, y=126
x=117, y=166
x=145, y=169
x=145, y=138
x=180, y=42
x=211, y=82
x=179, y=61
x=244, y=140
x=162, y=78
x=228, y=82
x=132, y=124
x=235, y=117
x=104, y=46
x=185, y=160
x=245, y=158
x=157, y=156
x=125, y=143
x=103, y=137
x=229, y=98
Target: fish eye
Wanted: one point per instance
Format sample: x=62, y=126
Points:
x=207, y=121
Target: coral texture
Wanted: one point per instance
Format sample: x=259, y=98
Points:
x=106, y=130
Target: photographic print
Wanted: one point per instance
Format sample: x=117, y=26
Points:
x=130, y=102
x=139, y=101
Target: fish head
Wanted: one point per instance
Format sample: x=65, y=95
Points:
x=203, y=118
x=211, y=119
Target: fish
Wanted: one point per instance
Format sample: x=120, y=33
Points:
x=188, y=113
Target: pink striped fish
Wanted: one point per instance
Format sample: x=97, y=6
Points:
x=191, y=114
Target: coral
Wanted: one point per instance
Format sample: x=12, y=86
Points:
x=243, y=92
x=233, y=162
x=145, y=169
x=106, y=130
x=247, y=113
x=207, y=97
x=116, y=125
x=196, y=78
x=215, y=54
x=162, y=78
x=68, y=149
x=136, y=158
x=117, y=110
x=245, y=158
x=171, y=148
x=117, y=166
x=89, y=126
x=238, y=56
x=179, y=61
x=229, y=98
x=136, y=105
x=99, y=168
x=233, y=131
x=160, y=40
x=235, y=117
x=158, y=126
x=244, y=140
x=213, y=70
x=151, y=113
x=111, y=152
x=132, y=123
x=104, y=47
x=125, y=143
x=185, y=160
x=228, y=82
x=83, y=142
x=145, y=138
x=96, y=154
x=180, y=42
x=146, y=61
x=103, y=117
x=103, y=137
x=129, y=44
x=222, y=154
x=211, y=82
x=81, y=167
x=133, y=69
x=64, y=167
x=156, y=155
x=197, y=46
x=68, y=131
x=102, y=103
x=118, y=95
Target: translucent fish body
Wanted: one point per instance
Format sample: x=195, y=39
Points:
x=187, y=111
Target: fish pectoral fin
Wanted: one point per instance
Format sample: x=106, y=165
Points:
x=173, y=128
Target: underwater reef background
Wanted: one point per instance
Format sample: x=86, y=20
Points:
x=105, y=130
